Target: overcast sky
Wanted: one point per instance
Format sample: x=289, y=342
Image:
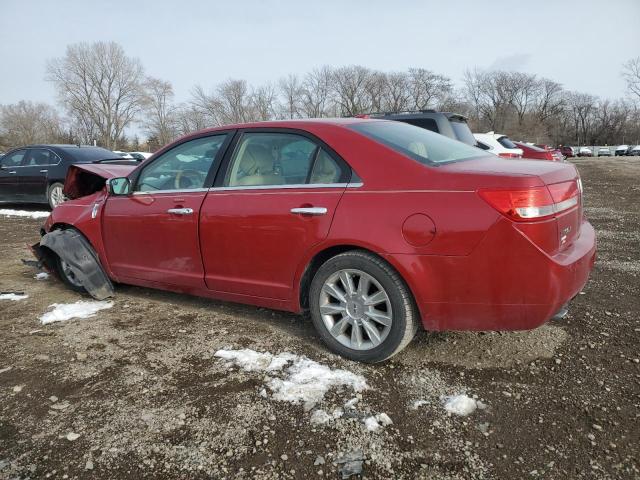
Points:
x=580, y=43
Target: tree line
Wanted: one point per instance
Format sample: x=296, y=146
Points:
x=102, y=93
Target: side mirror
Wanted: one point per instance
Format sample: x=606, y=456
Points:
x=119, y=186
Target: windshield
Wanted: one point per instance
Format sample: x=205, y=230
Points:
x=462, y=131
x=417, y=143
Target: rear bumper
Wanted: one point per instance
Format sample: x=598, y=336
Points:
x=507, y=283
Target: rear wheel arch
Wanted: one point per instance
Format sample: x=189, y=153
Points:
x=323, y=255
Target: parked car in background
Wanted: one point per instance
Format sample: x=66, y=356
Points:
x=498, y=144
x=568, y=152
x=604, y=152
x=282, y=214
x=585, y=152
x=555, y=152
x=452, y=125
x=533, y=152
x=36, y=173
x=622, y=150
x=635, y=151
x=140, y=155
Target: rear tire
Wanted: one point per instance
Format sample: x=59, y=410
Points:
x=54, y=194
x=361, y=307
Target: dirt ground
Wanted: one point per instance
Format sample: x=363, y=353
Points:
x=136, y=391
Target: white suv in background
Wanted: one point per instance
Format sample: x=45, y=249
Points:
x=498, y=144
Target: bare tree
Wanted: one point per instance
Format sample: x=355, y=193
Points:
x=262, y=103
x=24, y=122
x=427, y=89
x=317, y=93
x=631, y=73
x=351, y=88
x=159, y=111
x=291, y=90
x=99, y=87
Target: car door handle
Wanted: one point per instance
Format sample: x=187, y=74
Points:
x=12, y=172
x=180, y=211
x=315, y=211
x=44, y=171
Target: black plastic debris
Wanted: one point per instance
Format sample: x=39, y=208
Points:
x=71, y=246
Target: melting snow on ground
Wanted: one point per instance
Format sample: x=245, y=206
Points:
x=13, y=296
x=302, y=381
x=41, y=276
x=375, y=422
x=461, y=405
x=81, y=309
x=23, y=213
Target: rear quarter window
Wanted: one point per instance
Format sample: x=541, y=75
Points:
x=417, y=143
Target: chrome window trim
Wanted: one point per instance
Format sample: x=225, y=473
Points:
x=277, y=187
x=181, y=190
x=256, y=187
x=48, y=164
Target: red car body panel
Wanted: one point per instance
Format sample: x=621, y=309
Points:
x=468, y=266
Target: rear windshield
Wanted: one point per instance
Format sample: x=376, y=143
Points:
x=417, y=143
x=506, y=142
x=90, y=154
x=462, y=131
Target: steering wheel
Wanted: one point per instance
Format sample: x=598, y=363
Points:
x=193, y=176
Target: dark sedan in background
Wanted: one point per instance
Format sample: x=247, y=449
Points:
x=36, y=173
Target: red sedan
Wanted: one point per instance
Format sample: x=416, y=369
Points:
x=376, y=227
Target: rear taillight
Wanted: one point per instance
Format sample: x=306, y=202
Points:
x=509, y=155
x=533, y=203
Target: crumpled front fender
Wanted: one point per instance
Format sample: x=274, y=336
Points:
x=72, y=247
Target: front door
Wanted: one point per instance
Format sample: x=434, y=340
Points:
x=152, y=234
x=9, y=166
x=276, y=201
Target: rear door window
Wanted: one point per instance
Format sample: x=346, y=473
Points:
x=40, y=157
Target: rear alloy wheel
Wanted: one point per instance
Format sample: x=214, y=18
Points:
x=361, y=307
x=55, y=195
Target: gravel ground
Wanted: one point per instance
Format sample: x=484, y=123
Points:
x=136, y=391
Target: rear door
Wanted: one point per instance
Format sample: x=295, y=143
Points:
x=152, y=234
x=33, y=176
x=9, y=166
x=275, y=201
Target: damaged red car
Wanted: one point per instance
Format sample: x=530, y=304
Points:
x=375, y=227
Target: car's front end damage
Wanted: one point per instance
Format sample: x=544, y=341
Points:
x=73, y=231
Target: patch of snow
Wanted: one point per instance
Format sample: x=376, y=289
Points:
x=80, y=309
x=320, y=417
x=309, y=381
x=460, y=405
x=7, y=212
x=72, y=436
x=418, y=403
x=41, y=276
x=250, y=360
x=351, y=404
x=375, y=422
x=13, y=296
x=304, y=380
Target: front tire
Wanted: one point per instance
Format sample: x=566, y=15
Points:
x=361, y=307
x=68, y=276
x=54, y=194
